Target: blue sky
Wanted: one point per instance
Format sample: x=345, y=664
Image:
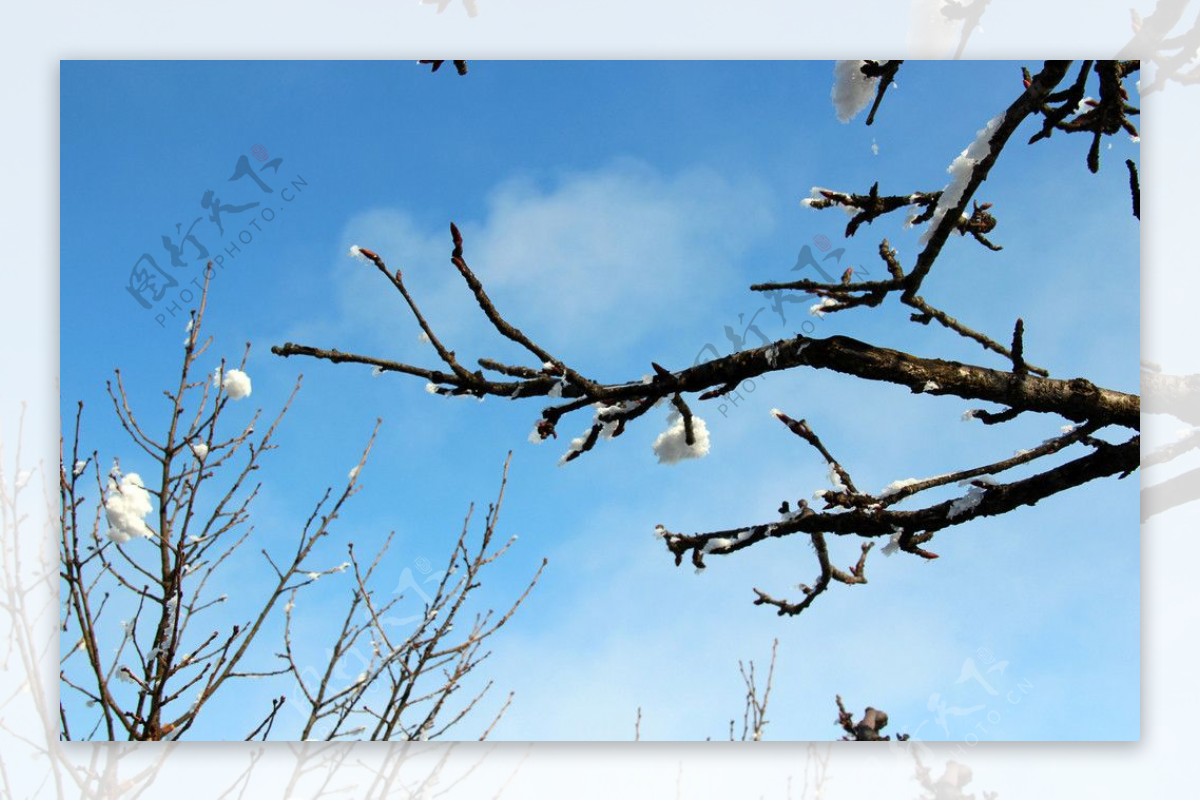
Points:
x=618, y=212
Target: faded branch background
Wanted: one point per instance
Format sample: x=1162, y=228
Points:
x=1155, y=24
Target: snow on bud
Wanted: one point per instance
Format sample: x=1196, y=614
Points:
x=930, y=386
x=969, y=414
x=542, y=430
x=606, y=418
x=896, y=486
x=575, y=448
x=314, y=575
x=199, y=449
x=80, y=466
x=236, y=384
x=671, y=445
x=126, y=507
x=818, y=309
x=660, y=531
x=431, y=388
x=353, y=473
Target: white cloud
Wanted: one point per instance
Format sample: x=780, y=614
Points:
x=586, y=264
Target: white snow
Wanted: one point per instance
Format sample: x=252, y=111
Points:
x=126, y=507
x=671, y=445
x=852, y=90
x=893, y=544
x=836, y=480
x=716, y=543
x=960, y=173
x=80, y=466
x=930, y=386
x=199, y=449
x=896, y=486
x=814, y=194
x=576, y=446
x=236, y=384
x=818, y=309
x=969, y=414
x=966, y=503
x=609, y=429
x=431, y=388
x=353, y=474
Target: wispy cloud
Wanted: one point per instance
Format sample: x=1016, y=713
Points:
x=588, y=263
